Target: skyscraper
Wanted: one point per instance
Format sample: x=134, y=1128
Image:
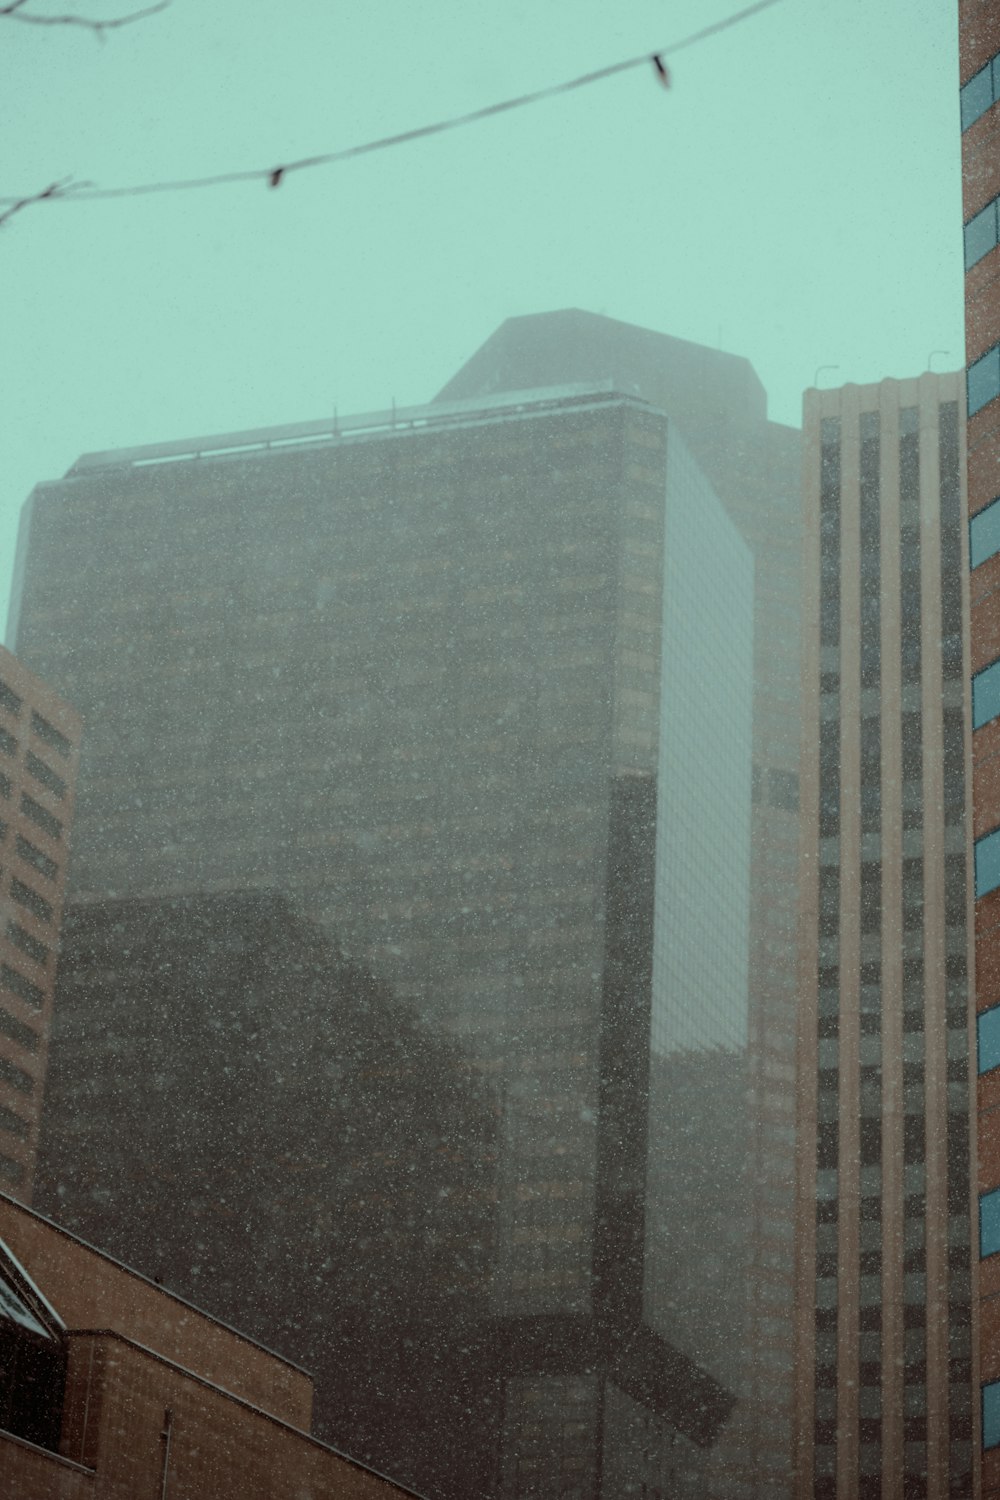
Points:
x=979, y=34
x=39, y=744
x=455, y=681
x=884, y=1281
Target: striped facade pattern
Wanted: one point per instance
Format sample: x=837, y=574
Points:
x=884, y=1268
x=39, y=749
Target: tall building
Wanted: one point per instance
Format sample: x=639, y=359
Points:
x=720, y=407
x=979, y=33
x=455, y=682
x=39, y=747
x=304, y=1157
x=884, y=1279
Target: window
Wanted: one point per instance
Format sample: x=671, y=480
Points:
x=981, y=234
x=37, y=859
x=982, y=380
x=984, y=534
x=23, y=1035
x=986, y=695
x=987, y=863
x=41, y=816
x=989, y=1223
x=16, y=1077
x=43, y=773
x=27, y=944
x=50, y=734
x=13, y=1123
x=982, y=89
x=991, y=1414
x=18, y=985
x=30, y=900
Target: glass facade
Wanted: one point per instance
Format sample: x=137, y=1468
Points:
x=984, y=534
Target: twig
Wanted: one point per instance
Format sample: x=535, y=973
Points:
x=54, y=190
x=13, y=11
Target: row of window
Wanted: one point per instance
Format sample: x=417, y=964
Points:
x=981, y=92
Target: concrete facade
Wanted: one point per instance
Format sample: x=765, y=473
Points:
x=884, y=1344
x=39, y=750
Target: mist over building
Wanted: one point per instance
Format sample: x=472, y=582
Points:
x=499, y=697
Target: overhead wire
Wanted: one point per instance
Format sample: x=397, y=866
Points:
x=275, y=174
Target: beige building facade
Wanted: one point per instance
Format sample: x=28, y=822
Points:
x=884, y=1293
x=39, y=750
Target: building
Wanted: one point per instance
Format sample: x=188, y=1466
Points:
x=39, y=747
x=113, y=1388
x=979, y=38
x=294, y=1127
x=884, y=1342
x=454, y=682
x=754, y=466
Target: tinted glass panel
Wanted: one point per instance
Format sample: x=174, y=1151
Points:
x=988, y=863
x=983, y=380
x=986, y=695
x=984, y=534
x=988, y=1039
x=991, y=1414
x=981, y=234
x=977, y=96
x=989, y=1223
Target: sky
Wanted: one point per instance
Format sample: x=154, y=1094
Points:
x=794, y=197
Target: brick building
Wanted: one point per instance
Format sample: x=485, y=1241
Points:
x=39, y=748
x=979, y=54
x=454, y=681
x=111, y=1387
x=885, y=1260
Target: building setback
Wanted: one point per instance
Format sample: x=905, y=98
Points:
x=979, y=51
x=455, y=682
x=39, y=747
x=884, y=1276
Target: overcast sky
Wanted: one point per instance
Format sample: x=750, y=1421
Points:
x=794, y=197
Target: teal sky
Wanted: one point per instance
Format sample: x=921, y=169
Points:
x=795, y=197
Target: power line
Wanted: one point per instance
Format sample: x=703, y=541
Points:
x=274, y=175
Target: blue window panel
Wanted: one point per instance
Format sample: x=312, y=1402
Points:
x=991, y=1414
x=983, y=380
x=981, y=234
x=986, y=695
x=988, y=863
x=977, y=95
x=984, y=533
x=988, y=1039
x=989, y=1223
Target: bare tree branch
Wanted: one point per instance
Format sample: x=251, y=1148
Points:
x=13, y=11
x=54, y=190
